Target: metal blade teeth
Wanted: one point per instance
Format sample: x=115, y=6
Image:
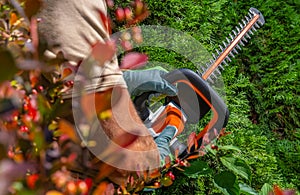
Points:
x=217, y=71
x=248, y=36
x=235, y=34
x=248, y=19
x=238, y=47
x=235, y=51
x=203, y=69
x=222, y=49
x=221, y=67
x=210, y=80
x=214, y=56
x=241, y=26
x=218, y=52
x=228, y=58
x=224, y=61
x=213, y=76
x=251, y=32
x=257, y=26
x=232, y=38
x=228, y=40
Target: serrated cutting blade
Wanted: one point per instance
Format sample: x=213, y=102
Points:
x=251, y=23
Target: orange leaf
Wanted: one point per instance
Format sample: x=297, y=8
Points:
x=133, y=60
x=66, y=72
x=67, y=128
x=53, y=192
x=13, y=18
x=168, y=162
x=105, y=170
x=104, y=188
x=155, y=174
x=193, y=156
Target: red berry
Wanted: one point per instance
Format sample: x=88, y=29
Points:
x=82, y=187
x=71, y=187
x=24, y=129
x=157, y=184
x=34, y=91
x=69, y=83
x=182, y=163
x=25, y=107
x=170, y=175
x=120, y=14
x=31, y=180
x=41, y=88
x=214, y=147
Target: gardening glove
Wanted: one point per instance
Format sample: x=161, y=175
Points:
x=151, y=80
x=163, y=141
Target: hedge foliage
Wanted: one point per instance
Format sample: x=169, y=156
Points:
x=261, y=84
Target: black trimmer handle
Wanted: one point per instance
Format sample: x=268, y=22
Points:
x=141, y=105
x=195, y=97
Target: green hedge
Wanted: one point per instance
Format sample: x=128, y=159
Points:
x=262, y=83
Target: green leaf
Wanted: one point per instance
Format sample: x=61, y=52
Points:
x=237, y=165
x=245, y=189
x=197, y=168
x=229, y=147
x=266, y=189
x=227, y=183
x=8, y=66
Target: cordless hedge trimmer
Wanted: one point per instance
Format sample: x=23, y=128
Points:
x=195, y=96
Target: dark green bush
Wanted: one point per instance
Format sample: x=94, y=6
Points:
x=262, y=83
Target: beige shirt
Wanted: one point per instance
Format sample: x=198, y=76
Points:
x=72, y=26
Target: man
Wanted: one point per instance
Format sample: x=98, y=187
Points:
x=70, y=26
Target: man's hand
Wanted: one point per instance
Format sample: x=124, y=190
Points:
x=141, y=81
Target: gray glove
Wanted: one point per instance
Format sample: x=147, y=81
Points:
x=141, y=81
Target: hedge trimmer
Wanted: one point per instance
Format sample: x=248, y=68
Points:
x=195, y=96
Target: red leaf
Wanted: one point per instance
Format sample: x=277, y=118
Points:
x=34, y=35
x=277, y=190
x=103, y=51
x=67, y=128
x=105, y=21
x=191, y=140
x=133, y=60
